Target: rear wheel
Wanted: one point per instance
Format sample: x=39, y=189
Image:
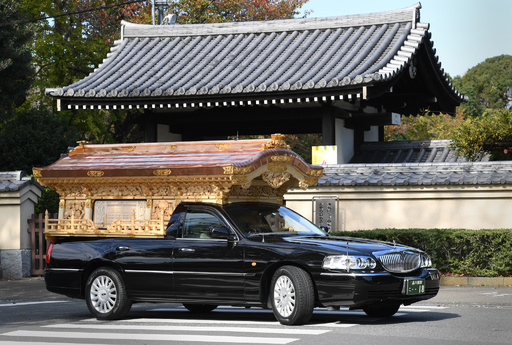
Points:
x=199, y=308
x=292, y=295
x=105, y=295
x=381, y=309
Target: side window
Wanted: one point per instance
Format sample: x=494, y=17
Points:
x=173, y=225
x=198, y=224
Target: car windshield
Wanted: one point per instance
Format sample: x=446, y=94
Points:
x=261, y=219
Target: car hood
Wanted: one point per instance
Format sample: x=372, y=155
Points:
x=339, y=245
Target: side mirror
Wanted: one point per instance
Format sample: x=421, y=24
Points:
x=220, y=232
x=325, y=228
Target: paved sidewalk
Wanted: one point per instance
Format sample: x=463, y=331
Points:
x=25, y=290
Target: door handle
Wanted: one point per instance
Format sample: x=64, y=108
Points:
x=123, y=248
x=186, y=250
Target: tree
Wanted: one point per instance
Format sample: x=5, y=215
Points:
x=486, y=85
x=15, y=60
x=424, y=127
x=34, y=137
x=216, y=11
x=489, y=133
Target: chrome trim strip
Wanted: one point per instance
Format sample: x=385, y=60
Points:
x=148, y=271
x=65, y=269
x=212, y=273
x=352, y=274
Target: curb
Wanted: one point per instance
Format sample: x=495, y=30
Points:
x=477, y=281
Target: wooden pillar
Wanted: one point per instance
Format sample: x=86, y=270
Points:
x=328, y=132
x=358, y=138
x=150, y=127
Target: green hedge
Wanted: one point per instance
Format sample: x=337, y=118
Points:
x=478, y=253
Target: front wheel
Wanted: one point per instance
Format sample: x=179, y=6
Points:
x=105, y=295
x=292, y=295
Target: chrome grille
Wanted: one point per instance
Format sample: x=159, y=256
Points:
x=400, y=262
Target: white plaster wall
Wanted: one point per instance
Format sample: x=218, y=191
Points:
x=344, y=139
x=15, y=209
x=452, y=207
x=163, y=134
x=9, y=224
x=372, y=135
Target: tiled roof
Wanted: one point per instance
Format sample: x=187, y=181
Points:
x=427, y=174
x=12, y=181
x=174, y=160
x=213, y=64
x=422, y=151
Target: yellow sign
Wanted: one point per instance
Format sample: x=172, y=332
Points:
x=323, y=155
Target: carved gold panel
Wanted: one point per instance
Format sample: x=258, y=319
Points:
x=276, y=179
x=95, y=173
x=276, y=167
x=234, y=170
x=222, y=146
x=283, y=159
x=162, y=172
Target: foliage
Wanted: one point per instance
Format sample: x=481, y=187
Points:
x=68, y=48
x=480, y=125
x=485, y=85
x=302, y=144
x=217, y=11
x=491, y=132
x=15, y=60
x=34, y=137
x=426, y=127
x=485, y=253
x=48, y=201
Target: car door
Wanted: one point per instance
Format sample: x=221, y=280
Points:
x=147, y=266
x=208, y=259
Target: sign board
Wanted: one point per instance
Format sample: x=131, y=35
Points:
x=106, y=211
x=323, y=155
x=325, y=212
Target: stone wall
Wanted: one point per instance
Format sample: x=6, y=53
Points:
x=15, y=264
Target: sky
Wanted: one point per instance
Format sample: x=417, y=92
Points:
x=464, y=32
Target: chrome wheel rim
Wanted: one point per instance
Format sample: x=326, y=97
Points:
x=284, y=296
x=103, y=294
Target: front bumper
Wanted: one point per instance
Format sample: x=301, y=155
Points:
x=355, y=289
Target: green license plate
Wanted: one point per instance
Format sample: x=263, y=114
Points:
x=414, y=286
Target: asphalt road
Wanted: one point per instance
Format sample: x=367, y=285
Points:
x=458, y=315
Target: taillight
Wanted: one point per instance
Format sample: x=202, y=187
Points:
x=49, y=252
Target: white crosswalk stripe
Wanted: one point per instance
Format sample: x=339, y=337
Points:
x=180, y=330
x=152, y=337
x=223, y=329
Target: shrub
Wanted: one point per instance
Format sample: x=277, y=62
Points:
x=483, y=253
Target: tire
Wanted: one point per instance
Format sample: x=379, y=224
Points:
x=105, y=295
x=292, y=295
x=381, y=309
x=199, y=308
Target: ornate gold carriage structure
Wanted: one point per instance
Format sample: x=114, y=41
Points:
x=132, y=189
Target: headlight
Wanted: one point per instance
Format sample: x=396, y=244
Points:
x=344, y=262
x=425, y=261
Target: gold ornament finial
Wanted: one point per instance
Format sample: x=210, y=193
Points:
x=276, y=142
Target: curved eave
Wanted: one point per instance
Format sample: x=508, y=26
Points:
x=234, y=162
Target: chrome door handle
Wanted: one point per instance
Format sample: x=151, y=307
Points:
x=186, y=250
x=123, y=248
